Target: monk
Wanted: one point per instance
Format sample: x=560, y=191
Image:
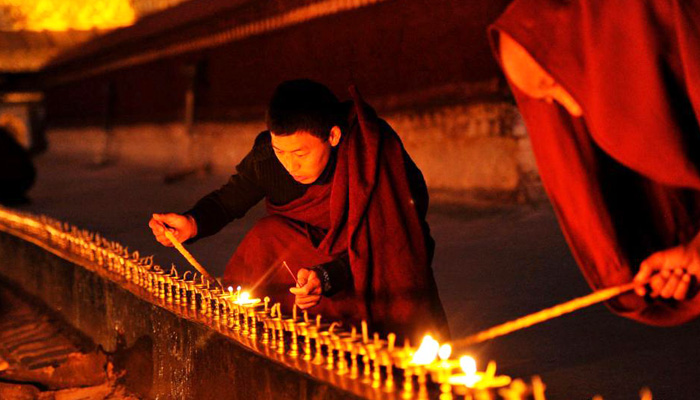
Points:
x=346, y=213
x=610, y=93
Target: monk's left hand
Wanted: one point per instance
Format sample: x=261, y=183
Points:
x=309, y=292
x=670, y=272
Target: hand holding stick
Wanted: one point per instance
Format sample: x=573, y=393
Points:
x=284, y=263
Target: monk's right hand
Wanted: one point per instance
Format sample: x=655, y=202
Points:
x=670, y=273
x=308, y=293
x=183, y=227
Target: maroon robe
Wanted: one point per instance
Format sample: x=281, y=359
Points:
x=623, y=179
x=367, y=211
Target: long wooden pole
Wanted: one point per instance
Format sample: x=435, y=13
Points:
x=187, y=255
x=546, y=314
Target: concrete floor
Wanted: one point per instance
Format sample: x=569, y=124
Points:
x=490, y=266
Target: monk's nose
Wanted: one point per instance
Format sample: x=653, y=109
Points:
x=290, y=165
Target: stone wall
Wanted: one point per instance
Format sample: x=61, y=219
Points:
x=473, y=154
x=159, y=352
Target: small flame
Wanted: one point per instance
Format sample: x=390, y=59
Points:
x=230, y=289
x=244, y=298
x=427, y=352
x=444, y=352
x=468, y=365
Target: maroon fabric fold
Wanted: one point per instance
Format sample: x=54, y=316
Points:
x=623, y=179
x=368, y=212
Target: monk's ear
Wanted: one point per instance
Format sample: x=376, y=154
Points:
x=334, y=136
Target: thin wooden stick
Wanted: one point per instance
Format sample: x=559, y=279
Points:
x=187, y=255
x=291, y=273
x=546, y=314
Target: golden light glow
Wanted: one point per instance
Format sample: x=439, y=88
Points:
x=468, y=365
x=62, y=15
x=244, y=299
x=478, y=380
x=444, y=352
x=427, y=352
x=22, y=97
x=470, y=378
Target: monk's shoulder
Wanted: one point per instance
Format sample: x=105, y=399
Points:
x=262, y=148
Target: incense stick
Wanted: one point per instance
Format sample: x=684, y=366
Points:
x=291, y=273
x=187, y=254
x=546, y=314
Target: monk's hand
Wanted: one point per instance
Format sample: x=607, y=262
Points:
x=669, y=272
x=308, y=294
x=182, y=227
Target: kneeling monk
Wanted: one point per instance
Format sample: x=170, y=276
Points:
x=346, y=211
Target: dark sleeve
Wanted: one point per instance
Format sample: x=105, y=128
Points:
x=335, y=275
x=231, y=201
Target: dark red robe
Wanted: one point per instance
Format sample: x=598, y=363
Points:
x=367, y=211
x=623, y=179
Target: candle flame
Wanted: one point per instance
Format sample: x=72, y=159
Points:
x=427, y=352
x=244, y=298
x=468, y=365
x=471, y=378
x=445, y=352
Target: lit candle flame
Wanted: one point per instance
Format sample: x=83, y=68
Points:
x=445, y=352
x=479, y=380
x=468, y=365
x=427, y=352
x=244, y=299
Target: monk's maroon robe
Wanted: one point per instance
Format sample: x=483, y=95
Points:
x=623, y=179
x=367, y=211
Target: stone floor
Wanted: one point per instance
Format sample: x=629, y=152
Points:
x=43, y=359
x=491, y=266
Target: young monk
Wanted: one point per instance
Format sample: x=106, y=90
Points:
x=346, y=212
x=610, y=94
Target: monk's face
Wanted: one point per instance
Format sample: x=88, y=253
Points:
x=528, y=76
x=304, y=155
